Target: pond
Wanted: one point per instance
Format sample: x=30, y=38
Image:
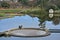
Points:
x=28, y=21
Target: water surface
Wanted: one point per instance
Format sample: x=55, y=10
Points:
x=28, y=22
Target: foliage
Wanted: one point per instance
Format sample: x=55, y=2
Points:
x=24, y=2
x=5, y=5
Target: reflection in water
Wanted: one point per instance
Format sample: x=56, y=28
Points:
x=51, y=11
x=56, y=20
x=14, y=22
x=44, y=17
x=42, y=25
x=31, y=22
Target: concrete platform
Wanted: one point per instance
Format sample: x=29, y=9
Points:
x=28, y=32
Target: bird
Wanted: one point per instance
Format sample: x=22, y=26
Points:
x=51, y=11
x=20, y=27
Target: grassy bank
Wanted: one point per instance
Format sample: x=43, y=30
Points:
x=18, y=10
x=2, y=14
x=9, y=11
x=24, y=11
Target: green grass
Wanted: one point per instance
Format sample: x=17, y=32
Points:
x=2, y=14
x=24, y=11
x=9, y=11
x=35, y=11
x=18, y=10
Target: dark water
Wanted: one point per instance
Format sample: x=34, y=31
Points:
x=30, y=22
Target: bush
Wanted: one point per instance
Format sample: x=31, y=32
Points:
x=5, y=5
x=52, y=6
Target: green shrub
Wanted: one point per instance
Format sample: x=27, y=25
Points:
x=5, y=5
